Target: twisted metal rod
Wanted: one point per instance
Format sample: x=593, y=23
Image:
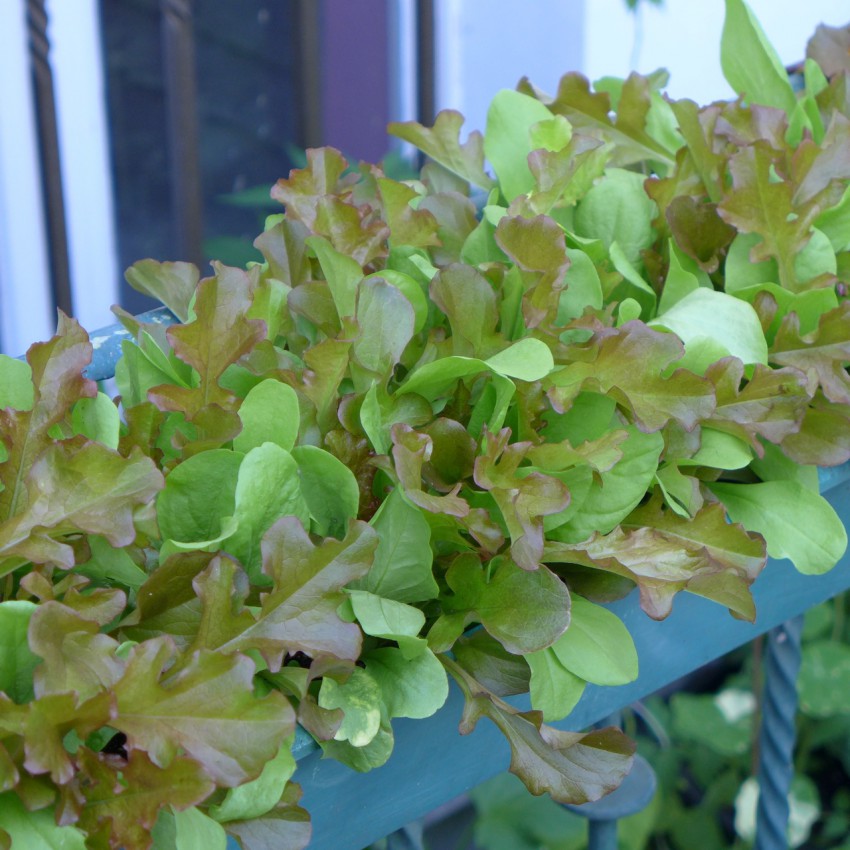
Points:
x=778, y=734
x=49, y=157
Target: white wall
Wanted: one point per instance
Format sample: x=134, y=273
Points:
x=684, y=37
x=487, y=45
x=26, y=312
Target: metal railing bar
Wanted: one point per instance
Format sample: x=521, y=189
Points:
x=48, y=143
x=178, y=42
x=426, y=59
x=308, y=73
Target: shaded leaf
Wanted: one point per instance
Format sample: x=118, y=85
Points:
x=173, y=284
x=17, y=661
x=797, y=523
x=524, y=610
x=572, y=767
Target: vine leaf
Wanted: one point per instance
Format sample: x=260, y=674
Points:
x=207, y=709
x=573, y=767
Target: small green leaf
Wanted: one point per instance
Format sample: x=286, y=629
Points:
x=508, y=142
x=727, y=320
x=16, y=389
x=617, y=209
x=269, y=414
x=260, y=795
x=796, y=523
x=527, y=360
x=342, y=273
x=17, y=661
x=554, y=689
x=403, y=561
x=388, y=619
x=750, y=63
x=359, y=697
x=583, y=288
x=329, y=488
x=36, y=830
x=597, y=646
x=197, y=495
x=97, y=419
x=267, y=488
x=196, y=831
x=410, y=687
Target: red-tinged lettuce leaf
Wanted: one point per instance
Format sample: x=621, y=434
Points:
x=327, y=364
x=699, y=231
x=411, y=450
x=43, y=723
x=572, y=767
x=408, y=226
x=207, y=710
x=76, y=657
x=820, y=171
x=703, y=150
x=824, y=435
x=121, y=801
x=469, y=301
x=780, y=211
x=71, y=488
x=830, y=48
x=442, y=143
x=590, y=113
x=286, y=827
x=173, y=284
x=456, y=218
x=539, y=249
x=628, y=364
x=285, y=250
x=219, y=336
x=523, y=499
x=58, y=382
x=771, y=404
x=301, y=192
x=524, y=610
x=821, y=354
x=354, y=231
x=562, y=177
x=664, y=553
x=300, y=613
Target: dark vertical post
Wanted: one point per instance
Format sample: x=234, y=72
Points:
x=309, y=76
x=426, y=60
x=48, y=141
x=183, y=139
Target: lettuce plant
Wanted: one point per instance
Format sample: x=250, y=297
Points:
x=600, y=347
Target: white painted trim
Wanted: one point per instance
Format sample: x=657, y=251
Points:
x=81, y=107
x=26, y=313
